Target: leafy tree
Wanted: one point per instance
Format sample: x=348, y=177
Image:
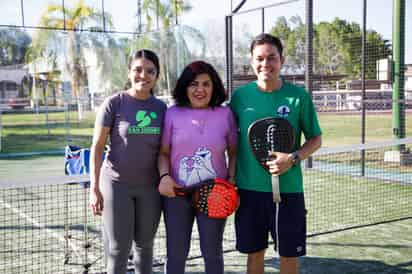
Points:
x=172, y=42
x=49, y=46
x=13, y=46
x=337, y=47
x=281, y=29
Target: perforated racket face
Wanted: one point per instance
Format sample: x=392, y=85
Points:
x=192, y=188
x=217, y=200
x=270, y=134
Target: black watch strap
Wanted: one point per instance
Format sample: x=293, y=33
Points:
x=295, y=158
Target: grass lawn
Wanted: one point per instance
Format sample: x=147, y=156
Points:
x=345, y=129
x=30, y=132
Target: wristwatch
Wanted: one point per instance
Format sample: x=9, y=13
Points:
x=295, y=158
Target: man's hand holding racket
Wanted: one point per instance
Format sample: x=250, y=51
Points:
x=271, y=140
x=280, y=163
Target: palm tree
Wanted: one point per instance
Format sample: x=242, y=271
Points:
x=48, y=45
x=169, y=39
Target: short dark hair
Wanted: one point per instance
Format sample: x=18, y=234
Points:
x=190, y=72
x=266, y=38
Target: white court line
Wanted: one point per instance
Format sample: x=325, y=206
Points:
x=55, y=235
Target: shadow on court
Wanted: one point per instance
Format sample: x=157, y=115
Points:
x=318, y=265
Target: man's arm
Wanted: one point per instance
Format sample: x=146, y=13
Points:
x=284, y=161
x=308, y=148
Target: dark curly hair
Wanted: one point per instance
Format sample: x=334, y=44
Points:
x=190, y=72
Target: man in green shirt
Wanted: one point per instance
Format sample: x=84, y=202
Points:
x=270, y=96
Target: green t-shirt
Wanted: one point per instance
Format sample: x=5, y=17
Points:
x=249, y=104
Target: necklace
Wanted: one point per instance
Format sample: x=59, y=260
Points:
x=199, y=124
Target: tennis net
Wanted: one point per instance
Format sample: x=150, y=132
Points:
x=47, y=227
x=359, y=185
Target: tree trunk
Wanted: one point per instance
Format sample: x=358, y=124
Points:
x=75, y=71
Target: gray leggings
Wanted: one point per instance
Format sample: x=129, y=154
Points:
x=179, y=217
x=130, y=213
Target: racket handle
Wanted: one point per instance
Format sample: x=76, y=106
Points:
x=275, y=189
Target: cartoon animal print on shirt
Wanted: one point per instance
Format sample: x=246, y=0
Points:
x=196, y=168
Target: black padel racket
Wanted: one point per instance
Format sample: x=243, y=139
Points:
x=268, y=135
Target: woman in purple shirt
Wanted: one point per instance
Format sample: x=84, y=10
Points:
x=197, y=135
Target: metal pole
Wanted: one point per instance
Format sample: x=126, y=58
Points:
x=363, y=68
x=1, y=126
x=263, y=20
x=22, y=12
x=64, y=15
x=157, y=14
x=104, y=17
x=398, y=109
x=229, y=55
x=238, y=6
x=177, y=22
x=45, y=96
x=139, y=16
x=309, y=56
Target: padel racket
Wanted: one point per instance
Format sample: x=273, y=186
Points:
x=216, y=198
x=269, y=135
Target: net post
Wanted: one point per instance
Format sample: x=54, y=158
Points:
x=363, y=75
x=1, y=127
x=229, y=55
x=309, y=56
x=86, y=245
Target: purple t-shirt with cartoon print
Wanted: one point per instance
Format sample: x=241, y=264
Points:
x=198, y=139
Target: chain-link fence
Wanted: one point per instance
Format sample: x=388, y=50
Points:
x=54, y=76
x=351, y=78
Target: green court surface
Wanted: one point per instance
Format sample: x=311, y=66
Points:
x=35, y=223
x=384, y=248
x=356, y=224
x=19, y=168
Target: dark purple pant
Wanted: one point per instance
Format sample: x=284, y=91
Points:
x=179, y=216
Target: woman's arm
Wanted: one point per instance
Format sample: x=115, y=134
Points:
x=166, y=185
x=96, y=155
x=231, y=153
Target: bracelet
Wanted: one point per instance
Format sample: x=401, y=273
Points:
x=163, y=175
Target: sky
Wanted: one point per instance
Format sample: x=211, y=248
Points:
x=209, y=15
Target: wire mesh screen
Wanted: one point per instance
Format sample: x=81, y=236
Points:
x=48, y=227
x=348, y=77
x=45, y=223
x=339, y=197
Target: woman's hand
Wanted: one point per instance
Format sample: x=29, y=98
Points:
x=167, y=186
x=96, y=201
x=280, y=164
